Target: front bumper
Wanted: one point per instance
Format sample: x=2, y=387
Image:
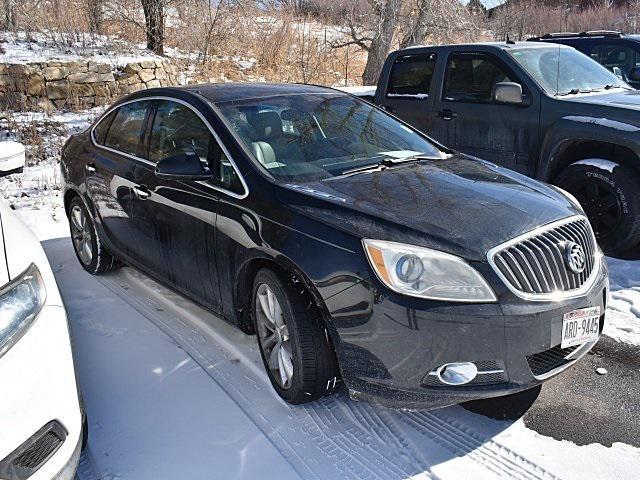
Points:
x=40, y=388
x=387, y=343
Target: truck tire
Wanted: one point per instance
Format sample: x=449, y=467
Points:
x=610, y=195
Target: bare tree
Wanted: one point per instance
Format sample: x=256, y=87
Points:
x=154, y=23
x=9, y=14
x=372, y=31
x=94, y=16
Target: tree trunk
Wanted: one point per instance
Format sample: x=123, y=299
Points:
x=381, y=43
x=94, y=10
x=9, y=14
x=154, y=21
x=418, y=29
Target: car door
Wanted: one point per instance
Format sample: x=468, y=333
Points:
x=175, y=220
x=407, y=92
x=109, y=174
x=472, y=122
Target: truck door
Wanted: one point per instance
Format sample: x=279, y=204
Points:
x=474, y=123
x=407, y=91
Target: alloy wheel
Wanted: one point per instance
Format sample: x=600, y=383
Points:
x=601, y=205
x=273, y=336
x=81, y=234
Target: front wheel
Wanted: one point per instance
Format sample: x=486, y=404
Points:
x=293, y=343
x=610, y=196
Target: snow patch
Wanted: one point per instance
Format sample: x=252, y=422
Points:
x=598, y=163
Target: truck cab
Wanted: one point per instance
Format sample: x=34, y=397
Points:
x=543, y=110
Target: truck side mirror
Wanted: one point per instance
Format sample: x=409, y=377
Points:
x=634, y=74
x=508, y=92
x=618, y=73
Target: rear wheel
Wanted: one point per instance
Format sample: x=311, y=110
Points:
x=610, y=195
x=89, y=249
x=293, y=343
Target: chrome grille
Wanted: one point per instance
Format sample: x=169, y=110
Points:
x=534, y=265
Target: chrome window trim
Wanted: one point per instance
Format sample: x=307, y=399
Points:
x=554, y=296
x=148, y=162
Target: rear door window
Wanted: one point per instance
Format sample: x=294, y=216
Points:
x=411, y=75
x=100, y=130
x=127, y=129
x=472, y=77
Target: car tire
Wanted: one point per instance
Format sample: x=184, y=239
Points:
x=508, y=407
x=292, y=339
x=88, y=246
x=610, y=195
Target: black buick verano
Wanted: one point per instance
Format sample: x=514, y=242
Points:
x=357, y=249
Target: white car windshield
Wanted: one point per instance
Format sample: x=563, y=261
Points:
x=562, y=70
x=303, y=137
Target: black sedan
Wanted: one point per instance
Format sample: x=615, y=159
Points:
x=357, y=249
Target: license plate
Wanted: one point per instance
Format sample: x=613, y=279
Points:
x=580, y=326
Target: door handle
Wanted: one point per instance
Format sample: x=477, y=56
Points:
x=90, y=167
x=447, y=114
x=142, y=192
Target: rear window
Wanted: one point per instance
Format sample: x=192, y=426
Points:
x=100, y=131
x=411, y=75
x=126, y=130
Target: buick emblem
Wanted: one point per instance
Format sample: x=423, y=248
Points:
x=574, y=257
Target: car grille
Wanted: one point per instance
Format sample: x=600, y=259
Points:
x=544, y=362
x=25, y=460
x=534, y=264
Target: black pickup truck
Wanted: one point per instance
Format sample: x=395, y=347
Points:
x=545, y=110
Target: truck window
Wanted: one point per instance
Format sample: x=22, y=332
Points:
x=411, y=75
x=611, y=55
x=471, y=77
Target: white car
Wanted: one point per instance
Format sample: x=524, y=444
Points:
x=41, y=422
x=12, y=157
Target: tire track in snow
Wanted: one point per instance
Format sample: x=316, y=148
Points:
x=334, y=436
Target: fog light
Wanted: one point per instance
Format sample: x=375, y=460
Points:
x=457, y=373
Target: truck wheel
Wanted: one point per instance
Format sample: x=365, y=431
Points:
x=610, y=195
x=293, y=344
x=509, y=407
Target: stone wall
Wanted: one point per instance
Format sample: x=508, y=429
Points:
x=72, y=85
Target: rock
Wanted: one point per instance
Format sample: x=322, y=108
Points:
x=55, y=73
x=161, y=74
x=44, y=104
x=77, y=67
x=146, y=75
x=148, y=64
x=601, y=371
x=16, y=69
x=58, y=89
x=35, y=86
x=103, y=89
x=128, y=79
x=132, y=68
x=153, y=84
x=82, y=90
x=5, y=81
x=60, y=104
x=100, y=68
x=91, y=77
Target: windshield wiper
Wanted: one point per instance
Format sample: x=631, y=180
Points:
x=383, y=165
x=576, y=91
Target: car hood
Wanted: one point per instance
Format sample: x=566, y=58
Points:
x=629, y=99
x=459, y=205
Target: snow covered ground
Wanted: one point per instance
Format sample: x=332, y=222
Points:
x=172, y=391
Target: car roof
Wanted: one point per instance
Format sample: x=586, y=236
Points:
x=222, y=92
x=498, y=45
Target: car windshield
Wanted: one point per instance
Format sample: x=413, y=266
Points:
x=306, y=137
x=563, y=70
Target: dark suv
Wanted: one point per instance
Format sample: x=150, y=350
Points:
x=618, y=52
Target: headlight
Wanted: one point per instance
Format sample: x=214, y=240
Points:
x=425, y=273
x=20, y=302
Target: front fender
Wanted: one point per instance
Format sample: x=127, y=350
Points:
x=579, y=128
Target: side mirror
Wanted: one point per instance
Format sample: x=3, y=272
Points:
x=508, y=92
x=634, y=74
x=184, y=166
x=618, y=73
